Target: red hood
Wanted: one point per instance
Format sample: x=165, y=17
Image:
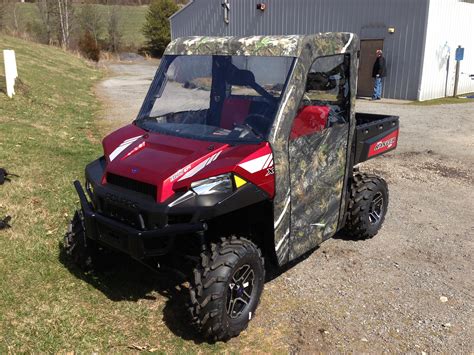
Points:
x=172, y=163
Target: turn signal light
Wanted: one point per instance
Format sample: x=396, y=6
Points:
x=239, y=182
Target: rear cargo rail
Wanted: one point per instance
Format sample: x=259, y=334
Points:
x=375, y=135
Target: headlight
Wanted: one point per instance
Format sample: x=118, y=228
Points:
x=213, y=185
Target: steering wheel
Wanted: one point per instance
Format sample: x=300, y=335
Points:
x=259, y=123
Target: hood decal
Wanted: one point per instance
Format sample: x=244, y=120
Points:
x=200, y=166
x=258, y=164
x=134, y=150
x=124, y=145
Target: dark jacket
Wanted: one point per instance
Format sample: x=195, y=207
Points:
x=379, y=68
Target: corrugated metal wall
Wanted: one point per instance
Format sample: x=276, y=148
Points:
x=370, y=19
x=451, y=23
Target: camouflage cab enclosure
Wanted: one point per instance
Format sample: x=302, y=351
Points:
x=312, y=164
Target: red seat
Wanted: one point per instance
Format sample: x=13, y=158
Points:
x=234, y=110
x=310, y=120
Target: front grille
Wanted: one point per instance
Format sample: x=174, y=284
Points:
x=122, y=215
x=130, y=184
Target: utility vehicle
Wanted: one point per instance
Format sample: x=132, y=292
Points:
x=245, y=150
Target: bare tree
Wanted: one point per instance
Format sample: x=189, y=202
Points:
x=91, y=21
x=3, y=11
x=46, y=11
x=65, y=13
x=115, y=34
x=8, y=15
x=15, y=18
x=56, y=18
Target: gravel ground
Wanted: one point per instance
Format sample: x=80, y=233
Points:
x=410, y=288
x=125, y=88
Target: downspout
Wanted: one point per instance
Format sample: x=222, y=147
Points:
x=171, y=29
x=420, y=78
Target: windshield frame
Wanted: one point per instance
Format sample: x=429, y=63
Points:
x=158, y=86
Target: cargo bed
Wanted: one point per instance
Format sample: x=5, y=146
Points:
x=375, y=135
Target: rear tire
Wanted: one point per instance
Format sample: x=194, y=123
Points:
x=84, y=252
x=226, y=288
x=367, y=206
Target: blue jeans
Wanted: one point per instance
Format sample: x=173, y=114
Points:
x=377, y=88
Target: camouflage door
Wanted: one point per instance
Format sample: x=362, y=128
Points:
x=317, y=153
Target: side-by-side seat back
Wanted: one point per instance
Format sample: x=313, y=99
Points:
x=310, y=119
x=234, y=110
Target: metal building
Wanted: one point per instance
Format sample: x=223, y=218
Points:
x=419, y=37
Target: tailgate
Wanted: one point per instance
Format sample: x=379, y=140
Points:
x=375, y=135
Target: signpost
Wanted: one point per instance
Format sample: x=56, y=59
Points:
x=459, y=54
x=459, y=57
x=11, y=72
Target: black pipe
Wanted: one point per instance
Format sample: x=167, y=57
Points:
x=82, y=197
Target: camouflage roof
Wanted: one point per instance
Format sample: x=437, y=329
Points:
x=282, y=46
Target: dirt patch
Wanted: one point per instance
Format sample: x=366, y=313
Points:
x=448, y=172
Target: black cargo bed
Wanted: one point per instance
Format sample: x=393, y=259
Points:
x=375, y=135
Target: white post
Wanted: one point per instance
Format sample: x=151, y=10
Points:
x=11, y=72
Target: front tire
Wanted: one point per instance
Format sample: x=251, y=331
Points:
x=367, y=206
x=226, y=288
x=84, y=252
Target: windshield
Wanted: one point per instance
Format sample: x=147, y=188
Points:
x=217, y=98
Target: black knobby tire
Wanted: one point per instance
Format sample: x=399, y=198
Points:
x=84, y=252
x=367, y=206
x=216, y=308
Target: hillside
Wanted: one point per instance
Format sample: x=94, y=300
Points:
x=47, y=134
x=131, y=21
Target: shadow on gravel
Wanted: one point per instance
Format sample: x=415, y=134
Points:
x=273, y=272
x=128, y=280
x=342, y=236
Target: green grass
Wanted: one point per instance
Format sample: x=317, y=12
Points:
x=444, y=101
x=48, y=133
x=132, y=19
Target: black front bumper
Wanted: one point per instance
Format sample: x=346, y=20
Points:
x=137, y=243
x=135, y=223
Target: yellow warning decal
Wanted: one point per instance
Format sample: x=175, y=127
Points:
x=239, y=181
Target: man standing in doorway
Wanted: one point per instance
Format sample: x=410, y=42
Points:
x=378, y=73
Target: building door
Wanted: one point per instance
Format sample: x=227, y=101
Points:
x=365, y=85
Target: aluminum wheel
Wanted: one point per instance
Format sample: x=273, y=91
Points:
x=376, y=209
x=240, y=291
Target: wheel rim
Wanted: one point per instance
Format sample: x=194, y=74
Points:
x=240, y=291
x=376, y=209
